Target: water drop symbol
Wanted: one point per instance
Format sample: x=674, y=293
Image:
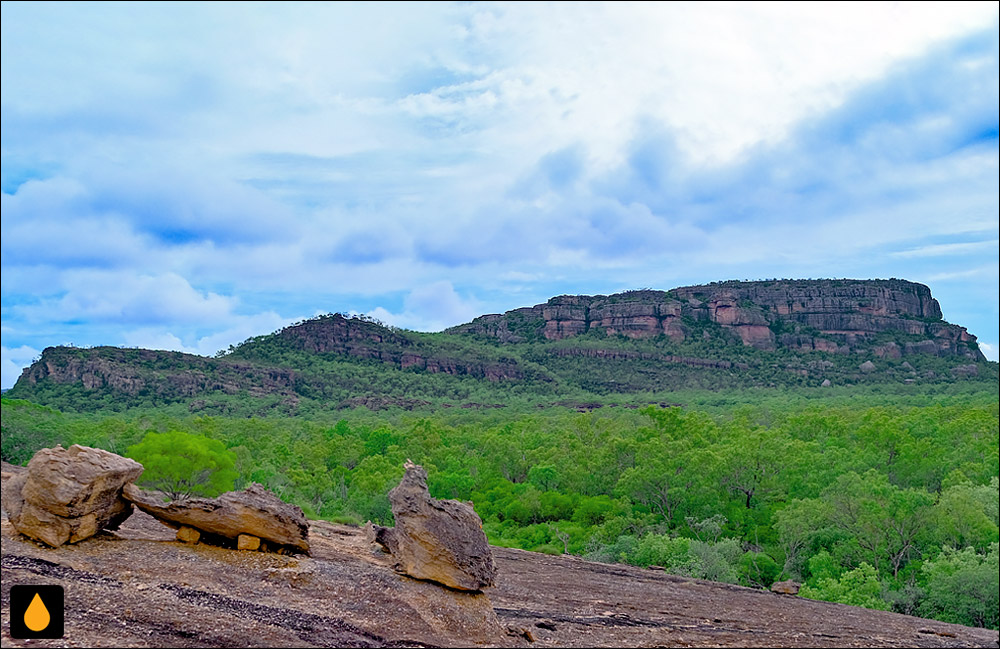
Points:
x=37, y=616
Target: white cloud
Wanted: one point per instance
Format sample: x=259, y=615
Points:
x=990, y=350
x=228, y=331
x=981, y=271
x=153, y=338
x=13, y=361
x=313, y=155
x=120, y=297
x=433, y=307
x=724, y=77
x=949, y=249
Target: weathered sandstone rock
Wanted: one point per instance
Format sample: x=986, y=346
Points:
x=436, y=540
x=67, y=495
x=788, y=587
x=247, y=542
x=254, y=511
x=965, y=370
x=188, y=534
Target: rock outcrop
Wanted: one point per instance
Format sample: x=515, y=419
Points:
x=254, y=512
x=158, y=373
x=361, y=338
x=436, y=540
x=806, y=315
x=878, y=319
x=67, y=495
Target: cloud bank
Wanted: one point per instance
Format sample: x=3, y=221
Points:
x=184, y=177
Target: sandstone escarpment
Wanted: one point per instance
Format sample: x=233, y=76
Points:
x=722, y=334
x=838, y=316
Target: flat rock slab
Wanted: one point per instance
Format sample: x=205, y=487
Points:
x=436, y=540
x=67, y=495
x=255, y=511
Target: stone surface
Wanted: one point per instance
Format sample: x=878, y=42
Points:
x=67, y=495
x=255, y=511
x=788, y=587
x=867, y=367
x=965, y=370
x=436, y=540
x=187, y=534
x=247, y=542
x=137, y=589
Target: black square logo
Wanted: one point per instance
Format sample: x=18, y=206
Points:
x=36, y=612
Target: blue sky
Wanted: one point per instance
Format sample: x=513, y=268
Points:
x=184, y=176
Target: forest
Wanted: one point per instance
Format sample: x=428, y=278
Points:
x=877, y=496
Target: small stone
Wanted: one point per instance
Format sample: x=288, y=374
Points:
x=247, y=542
x=788, y=587
x=188, y=535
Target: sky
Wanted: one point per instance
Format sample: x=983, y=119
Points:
x=185, y=176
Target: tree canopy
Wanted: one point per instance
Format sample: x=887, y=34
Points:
x=182, y=465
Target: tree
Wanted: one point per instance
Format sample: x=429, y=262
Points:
x=797, y=525
x=182, y=465
x=858, y=587
x=884, y=520
x=963, y=587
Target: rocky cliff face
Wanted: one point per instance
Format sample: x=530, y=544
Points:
x=806, y=315
x=368, y=340
x=679, y=335
x=138, y=371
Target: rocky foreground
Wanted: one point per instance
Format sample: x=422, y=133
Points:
x=139, y=587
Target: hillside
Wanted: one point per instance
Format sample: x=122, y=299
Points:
x=623, y=347
x=138, y=587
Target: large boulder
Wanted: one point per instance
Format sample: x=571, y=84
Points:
x=436, y=540
x=67, y=495
x=255, y=511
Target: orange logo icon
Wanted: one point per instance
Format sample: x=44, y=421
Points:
x=36, y=612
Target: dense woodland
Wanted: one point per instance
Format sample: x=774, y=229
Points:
x=883, y=496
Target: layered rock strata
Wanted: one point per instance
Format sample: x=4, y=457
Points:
x=807, y=315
